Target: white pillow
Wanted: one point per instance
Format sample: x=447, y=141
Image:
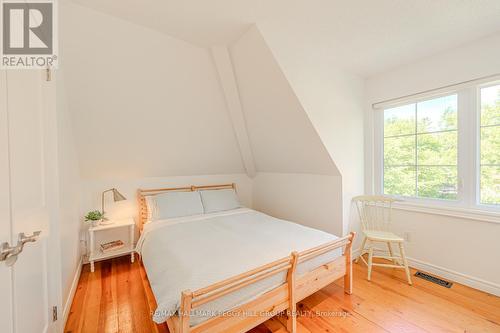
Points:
x=151, y=207
x=177, y=204
x=219, y=200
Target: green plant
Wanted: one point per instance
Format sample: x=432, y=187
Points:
x=94, y=215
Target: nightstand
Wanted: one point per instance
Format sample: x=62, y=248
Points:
x=119, y=229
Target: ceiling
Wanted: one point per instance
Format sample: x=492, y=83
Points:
x=362, y=36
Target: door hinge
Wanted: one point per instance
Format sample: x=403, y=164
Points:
x=54, y=313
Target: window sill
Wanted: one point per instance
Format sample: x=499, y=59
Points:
x=464, y=213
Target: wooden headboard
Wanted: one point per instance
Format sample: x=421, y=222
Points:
x=143, y=193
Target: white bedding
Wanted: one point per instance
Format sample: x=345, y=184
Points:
x=196, y=251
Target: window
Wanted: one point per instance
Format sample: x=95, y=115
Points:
x=490, y=145
x=420, y=149
x=442, y=149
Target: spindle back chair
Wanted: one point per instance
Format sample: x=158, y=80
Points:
x=375, y=214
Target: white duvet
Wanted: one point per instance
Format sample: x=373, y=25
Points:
x=196, y=251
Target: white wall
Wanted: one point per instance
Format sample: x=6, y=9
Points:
x=332, y=98
x=296, y=177
x=469, y=61
x=143, y=103
x=452, y=244
x=311, y=200
x=281, y=136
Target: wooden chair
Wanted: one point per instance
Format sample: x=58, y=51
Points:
x=375, y=213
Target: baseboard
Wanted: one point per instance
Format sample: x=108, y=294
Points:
x=467, y=280
x=470, y=281
x=72, y=291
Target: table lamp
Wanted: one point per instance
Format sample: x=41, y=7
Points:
x=117, y=196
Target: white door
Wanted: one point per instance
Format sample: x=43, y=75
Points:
x=27, y=192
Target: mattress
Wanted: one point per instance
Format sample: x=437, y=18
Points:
x=193, y=252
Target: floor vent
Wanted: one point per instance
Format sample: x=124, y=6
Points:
x=434, y=279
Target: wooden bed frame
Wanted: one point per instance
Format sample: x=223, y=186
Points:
x=279, y=299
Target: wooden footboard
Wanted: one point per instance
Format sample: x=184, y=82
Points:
x=284, y=297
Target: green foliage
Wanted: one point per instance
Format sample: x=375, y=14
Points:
x=409, y=142
x=400, y=181
x=490, y=153
x=399, y=151
x=94, y=215
x=490, y=185
x=434, y=153
x=490, y=114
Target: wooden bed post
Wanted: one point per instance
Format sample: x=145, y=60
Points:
x=141, y=201
x=348, y=265
x=185, y=311
x=291, y=323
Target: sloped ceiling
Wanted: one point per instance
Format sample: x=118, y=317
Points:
x=365, y=37
x=333, y=100
x=281, y=135
x=143, y=104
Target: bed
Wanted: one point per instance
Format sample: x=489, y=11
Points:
x=230, y=270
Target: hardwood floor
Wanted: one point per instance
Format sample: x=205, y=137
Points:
x=117, y=298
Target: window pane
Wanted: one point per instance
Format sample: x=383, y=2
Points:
x=399, y=181
x=490, y=105
x=399, y=150
x=437, y=182
x=490, y=145
x=437, y=148
x=437, y=114
x=490, y=185
x=400, y=120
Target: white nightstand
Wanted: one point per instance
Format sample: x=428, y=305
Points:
x=119, y=229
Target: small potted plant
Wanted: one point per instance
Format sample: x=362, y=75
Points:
x=94, y=217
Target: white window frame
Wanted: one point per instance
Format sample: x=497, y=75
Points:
x=477, y=136
x=468, y=161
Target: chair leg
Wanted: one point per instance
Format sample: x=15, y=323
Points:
x=362, y=249
x=370, y=262
x=405, y=263
x=390, y=252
